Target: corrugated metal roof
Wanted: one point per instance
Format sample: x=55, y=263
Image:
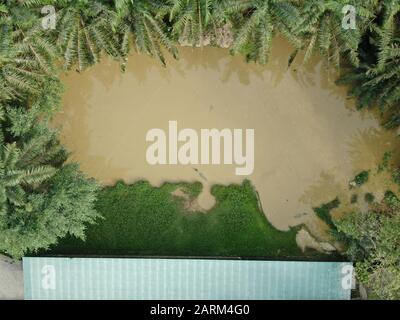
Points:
x=197, y=279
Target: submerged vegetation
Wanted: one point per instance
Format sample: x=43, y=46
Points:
x=324, y=212
x=43, y=199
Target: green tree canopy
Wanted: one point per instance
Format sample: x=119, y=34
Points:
x=41, y=197
x=373, y=242
x=84, y=31
x=261, y=20
x=323, y=31
x=142, y=21
x=27, y=55
x=376, y=81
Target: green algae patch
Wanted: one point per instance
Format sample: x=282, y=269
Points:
x=140, y=219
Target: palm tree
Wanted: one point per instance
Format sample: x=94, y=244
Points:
x=376, y=82
x=41, y=197
x=26, y=55
x=138, y=19
x=321, y=26
x=84, y=32
x=261, y=21
x=192, y=20
x=26, y=161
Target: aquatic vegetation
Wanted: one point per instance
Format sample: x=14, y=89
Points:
x=141, y=219
x=324, y=212
x=360, y=179
x=369, y=197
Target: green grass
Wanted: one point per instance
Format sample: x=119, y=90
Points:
x=140, y=219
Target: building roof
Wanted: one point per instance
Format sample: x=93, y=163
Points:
x=196, y=279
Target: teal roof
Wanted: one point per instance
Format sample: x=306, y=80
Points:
x=106, y=278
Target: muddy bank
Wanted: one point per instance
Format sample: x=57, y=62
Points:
x=309, y=143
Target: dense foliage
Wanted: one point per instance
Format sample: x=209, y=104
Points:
x=375, y=82
x=373, y=240
x=41, y=197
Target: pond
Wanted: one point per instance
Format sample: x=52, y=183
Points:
x=309, y=141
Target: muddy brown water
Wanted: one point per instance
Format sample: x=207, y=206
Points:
x=309, y=141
